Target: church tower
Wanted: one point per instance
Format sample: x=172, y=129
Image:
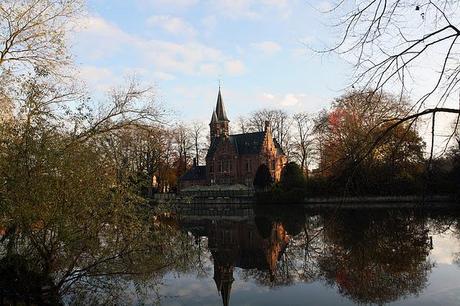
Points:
x=219, y=120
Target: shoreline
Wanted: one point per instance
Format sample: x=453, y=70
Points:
x=436, y=201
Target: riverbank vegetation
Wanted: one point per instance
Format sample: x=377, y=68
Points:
x=357, y=153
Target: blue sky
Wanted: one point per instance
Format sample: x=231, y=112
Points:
x=258, y=48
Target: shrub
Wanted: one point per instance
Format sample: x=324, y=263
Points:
x=292, y=177
x=263, y=179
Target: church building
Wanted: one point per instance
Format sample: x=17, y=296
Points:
x=234, y=159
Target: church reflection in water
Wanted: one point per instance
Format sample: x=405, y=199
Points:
x=247, y=240
x=369, y=256
x=240, y=244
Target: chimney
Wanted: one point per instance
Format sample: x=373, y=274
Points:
x=267, y=126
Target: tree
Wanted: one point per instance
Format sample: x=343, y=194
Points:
x=263, y=178
x=392, y=42
x=303, y=144
x=197, y=134
x=33, y=33
x=183, y=143
x=292, y=177
x=279, y=123
x=242, y=124
x=358, y=145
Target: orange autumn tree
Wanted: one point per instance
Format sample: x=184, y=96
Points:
x=359, y=152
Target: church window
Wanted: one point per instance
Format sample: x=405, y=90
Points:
x=226, y=165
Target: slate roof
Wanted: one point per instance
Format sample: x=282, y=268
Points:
x=247, y=143
x=194, y=174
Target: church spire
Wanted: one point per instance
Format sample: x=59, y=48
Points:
x=214, y=117
x=219, y=121
x=220, y=109
x=223, y=276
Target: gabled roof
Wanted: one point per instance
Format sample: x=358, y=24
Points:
x=247, y=143
x=220, y=109
x=196, y=173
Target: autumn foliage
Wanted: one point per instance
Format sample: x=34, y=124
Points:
x=358, y=150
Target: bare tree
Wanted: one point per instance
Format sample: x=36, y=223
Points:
x=393, y=43
x=129, y=105
x=303, y=139
x=242, y=124
x=280, y=125
x=197, y=133
x=184, y=143
x=32, y=32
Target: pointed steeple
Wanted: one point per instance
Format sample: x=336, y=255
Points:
x=214, y=117
x=219, y=121
x=225, y=292
x=220, y=109
x=223, y=276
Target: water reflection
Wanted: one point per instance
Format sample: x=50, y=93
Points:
x=366, y=256
x=375, y=257
x=242, y=244
x=91, y=262
x=370, y=256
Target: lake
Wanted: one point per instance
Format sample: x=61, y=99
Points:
x=284, y=255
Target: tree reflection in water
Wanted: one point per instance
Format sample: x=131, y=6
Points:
x=375, y=257
x=371, y=256
x=88, y=262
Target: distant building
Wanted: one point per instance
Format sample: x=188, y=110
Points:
x=234, y=159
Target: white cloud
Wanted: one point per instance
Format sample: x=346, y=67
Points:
x=209, y=23
x=235, y=67
x=294, y=101
x=235, y=8
x=324, y=6
x=251, y=9
x=177, y=4
x=268, y=96
x=100, y=39
x=97, y=78
x=209, y=69
x=267, y=47
x=163, y=76
x=171, y=24
x=286, y=100
x=291, y=99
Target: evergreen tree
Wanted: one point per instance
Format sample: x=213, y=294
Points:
x=263, y=179
x=292, y=177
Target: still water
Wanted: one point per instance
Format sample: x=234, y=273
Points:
x=273, y=256
x=299, y=257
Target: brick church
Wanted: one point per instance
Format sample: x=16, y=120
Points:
x=234, y=159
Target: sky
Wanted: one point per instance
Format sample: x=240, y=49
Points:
x=260, y=51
